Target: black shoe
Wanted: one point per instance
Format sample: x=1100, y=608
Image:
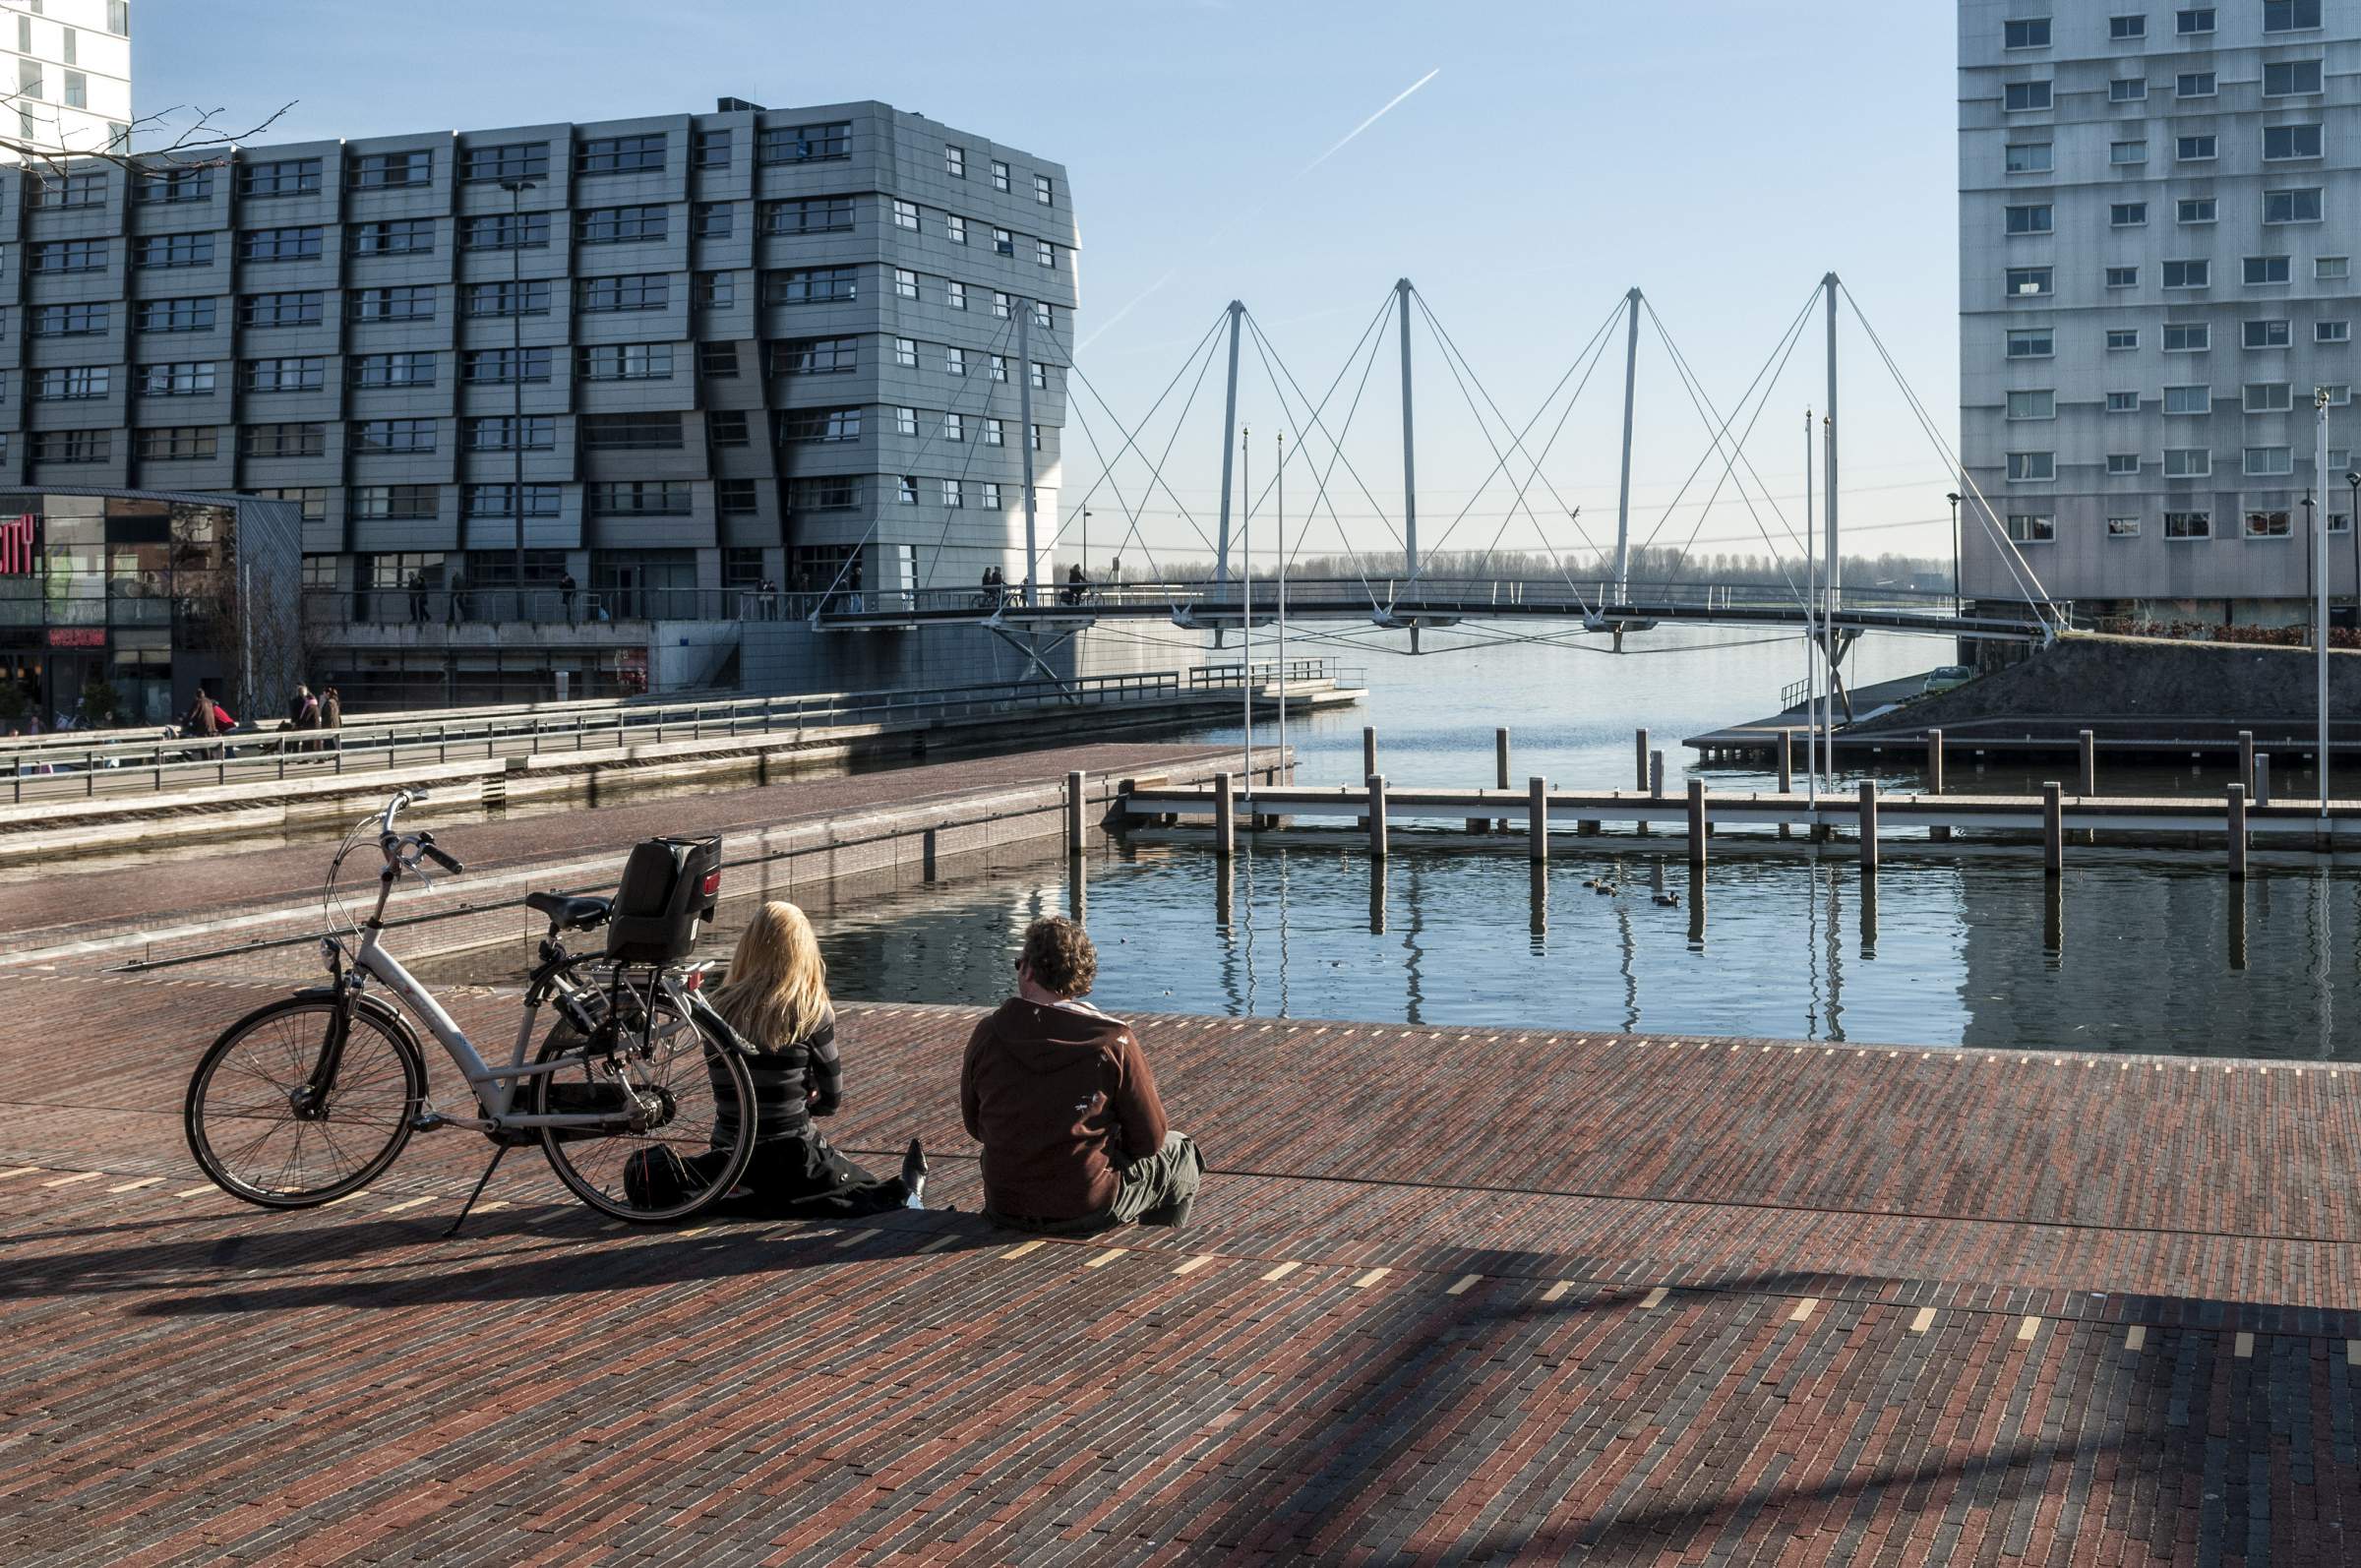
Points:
x=914, y=1175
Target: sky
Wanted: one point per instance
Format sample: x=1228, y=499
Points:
x=1721, y=155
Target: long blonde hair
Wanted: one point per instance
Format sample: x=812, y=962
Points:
x=778, y=986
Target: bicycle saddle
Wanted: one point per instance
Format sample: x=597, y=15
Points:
x=570, y=914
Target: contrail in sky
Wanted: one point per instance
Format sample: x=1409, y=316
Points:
x=1223, y=231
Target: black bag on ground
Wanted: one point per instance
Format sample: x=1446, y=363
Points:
x=670, y=886
x=655, y=1178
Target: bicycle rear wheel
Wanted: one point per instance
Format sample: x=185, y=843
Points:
x=254, y=1132
x=699, y=1104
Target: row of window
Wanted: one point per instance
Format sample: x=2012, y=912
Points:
x=2180, y=338
x=2255, y=397
x=2281, y=144
x=2180, y=463
x=954, y=165
x=2040, y=282
x=2261, y=522
x=2279, y=16
x=2281, y=79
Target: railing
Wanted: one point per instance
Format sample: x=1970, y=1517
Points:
x=1267, y=673
x=553, y=607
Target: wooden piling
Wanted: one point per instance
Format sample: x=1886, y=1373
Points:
x=1656, y=774
x=1869, y=826
x=1369, y=750
x=2238, y=834
x=1536, y=820
x=1224, y=815
x=1501, y=766
x=1697, y=825
x=2088, y=785
x=1076, y=841
x=1377, y=816
x=1786, y=772
x=2053, y=828
x=2246, y=759
x=1642, y=738
x=1934, y=779
x=2262, y=779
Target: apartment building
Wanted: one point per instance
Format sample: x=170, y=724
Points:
x=2159, y=209
x=683, y=354
x=72, y=87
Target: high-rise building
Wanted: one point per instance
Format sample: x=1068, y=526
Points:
x=716, y=349
x=2159, y=207
x=72, y=92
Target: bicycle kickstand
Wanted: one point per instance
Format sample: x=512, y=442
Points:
x=465, y=1208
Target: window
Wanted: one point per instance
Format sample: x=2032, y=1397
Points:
x=955, y=162
x=2121, y=338
x=711, y=149
x=2195, y=210
x=905, y=421
x=625, y=362
x=1035, y=438
x=999, y=304
x=2328, y=268
x=2188, y=399
x=905, y=283
x=2033, y=527
x=2126, y=89
x=807, y=143
x=69, y=256
x=2029, y=467
x=954, y=493
x=825, y=493
x=1003, y=243
x=734, y=498
x=2188, y=463
x=995, y=432
x=905, y=215
x=2196, y=84
x=828, y=424
x=638, y=498
x=503, y=433
x=1000, y=367
x=2197, y=148
x=2290, y=78
x=2122, y=277
x=955, y=294
x=2119, y=28
x=409, y=236
x=2270, y=461
x=2127, y=215
x=954, y=361
x=1041, y=376
x=526, y=298
x=2188, y=525
x=818, y=215
x=818, y=356
x=2340, y=522
x=1043, y=191
x=812, y=285
x=954, y=228
x=2338, y=394
x=991, y=495
x=283, y=441
x=716, y=290
x=285, y=374
x=2197, y=19
x=954, y=426
x=2263, y=334
x=393, y=435
x=394, y=370
x=1046, y=254
x=172, y=315
x=280, y=245
x=490, y=367
x=2290, y=16
x=2188, y=337
x=2031, y=158
x=999, y=175
x=621, y=154
x=72, y=321
x=2127, y=153
x=395, y=502
x=2331, y=332
x=906, y=490
x=410, y=303
x=611, y=225
x=2031, y=219
x=2269, y=397
x=72, y=383
x=118, y=18
x=505, y=231
x=172, y=250
x=2028, y=34
x=2261, y=270
x=2123, y=402
x=2270, y=525
x=2291, y=206
x=284, y=177
x=726, y=426
x=717, y=361
x=716, y=220
x=631, y=291
x=379, y=171
x=2123, y=462
x=500, y=500
x=510, y=160
x=2123, y=527
x=2188, y=274
x=1041, y=315
x=51, y=190
x=186, y=377
x=905, y=352
x=167, y=186
x=649, y=432
x=72, y=446
x=2288, y=142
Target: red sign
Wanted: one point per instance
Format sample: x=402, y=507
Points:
x=77, y=636
x=16, y=546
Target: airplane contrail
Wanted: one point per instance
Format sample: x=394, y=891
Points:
x=1372, y=120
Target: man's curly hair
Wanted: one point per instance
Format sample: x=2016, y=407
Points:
x=1060, y=957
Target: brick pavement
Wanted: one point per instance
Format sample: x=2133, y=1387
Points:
x=1452, y=1296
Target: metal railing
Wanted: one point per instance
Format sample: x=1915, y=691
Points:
x=1268, y=673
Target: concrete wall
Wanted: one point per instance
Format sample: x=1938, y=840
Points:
x=789, y=656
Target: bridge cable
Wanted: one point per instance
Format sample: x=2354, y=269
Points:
x=1384, y=313
x=1267, y=353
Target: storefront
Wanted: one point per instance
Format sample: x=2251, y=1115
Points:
x=116, y=605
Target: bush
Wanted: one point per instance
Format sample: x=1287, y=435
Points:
x=2262, y=636
x=101, y=705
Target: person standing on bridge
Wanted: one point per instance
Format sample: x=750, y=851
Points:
x=1061, y=1096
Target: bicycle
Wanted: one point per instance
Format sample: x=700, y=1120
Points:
x=641, y=1061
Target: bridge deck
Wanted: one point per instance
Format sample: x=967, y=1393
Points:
x=1478, y=1292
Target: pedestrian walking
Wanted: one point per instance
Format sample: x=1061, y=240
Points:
x=566, y=591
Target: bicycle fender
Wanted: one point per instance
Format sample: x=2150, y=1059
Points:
x=383, y=1011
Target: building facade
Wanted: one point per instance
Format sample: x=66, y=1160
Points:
x=72, y=87
x=717, y=350
x=2159, y=213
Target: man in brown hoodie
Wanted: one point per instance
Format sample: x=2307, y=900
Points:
x=1062, y=1099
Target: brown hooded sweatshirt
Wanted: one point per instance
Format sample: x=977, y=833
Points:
x=1056, y=1094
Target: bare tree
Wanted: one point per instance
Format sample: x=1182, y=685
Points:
x=184, y=135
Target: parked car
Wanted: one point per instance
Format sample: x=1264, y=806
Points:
x=1944, y=677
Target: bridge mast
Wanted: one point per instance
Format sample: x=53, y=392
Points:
x=1836, y=594
x=1631, y=376
x=1409, y=454
x=1024, y=442
x=1221, y=559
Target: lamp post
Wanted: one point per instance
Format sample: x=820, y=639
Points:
x=1086, y=543
x=2352, y=525
x=1958, y=608
x=517, y=187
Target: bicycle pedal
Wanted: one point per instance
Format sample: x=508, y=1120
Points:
x=429, y=1121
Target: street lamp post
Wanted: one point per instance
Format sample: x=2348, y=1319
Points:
x=517, y=187
x=1957, y=603
x=2352, y=525
x=1086, y=542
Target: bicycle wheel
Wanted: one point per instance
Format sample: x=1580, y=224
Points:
x=699, y=1103
x=247, y=1125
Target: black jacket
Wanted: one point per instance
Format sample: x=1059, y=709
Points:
x=794, y=1081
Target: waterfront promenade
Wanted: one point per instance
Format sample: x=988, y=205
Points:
x=1462, y=1295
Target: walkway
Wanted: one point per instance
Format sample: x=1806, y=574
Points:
x=1452, y=1293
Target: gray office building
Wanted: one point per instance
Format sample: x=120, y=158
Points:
x=729, y=348
x=2160, y=206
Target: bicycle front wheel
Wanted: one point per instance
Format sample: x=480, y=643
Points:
x=698, y=1103
x=260, y=1137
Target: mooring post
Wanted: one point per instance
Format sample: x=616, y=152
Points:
x=1934, y=780
x=1537, y=820
x=1656, y=774
x=1869, y=826
x=1642, y=738
x=1501, y=765
x=2054, y=827
x=2246, y=758
x=1377, y=816
x=1075, y=843
x=1369, y=750
x=2238, y=832
x=2090, y=749
x=1697, y=825
x=1224, y=815
x=2262, y=779
x=1786, y=772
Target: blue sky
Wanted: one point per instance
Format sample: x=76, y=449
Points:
x=1721, y=154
